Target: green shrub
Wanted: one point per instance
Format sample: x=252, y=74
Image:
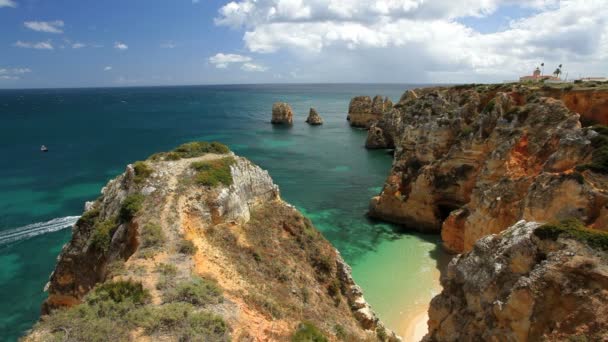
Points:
x=340, y=332
x=213, y=172
x=490, y=106
x=103, y=233
x=142, y=171
x=574, y=229
x=130, y=206
x=187, y=247
x=152, y=235
x=308, y=332
x=84, y=322
x=173, y=156
x=599, y=157
x=199, y=148
x=118, y=292
x=197, y=291
x=181, y=321
x=166, y=270
x=264, y=305
x=88, y=218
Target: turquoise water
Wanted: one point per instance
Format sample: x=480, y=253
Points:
x=93, y=133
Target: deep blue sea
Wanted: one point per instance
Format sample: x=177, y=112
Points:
x=92, y=134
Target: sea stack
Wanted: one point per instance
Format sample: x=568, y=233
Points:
x=363, y=111
x=282, y=113
x=314, y=118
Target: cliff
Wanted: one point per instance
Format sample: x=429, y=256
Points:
x=472, y=160
x=363, y=111
x=196, y=244
x=528, y=283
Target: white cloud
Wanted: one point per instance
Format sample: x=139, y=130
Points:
x=252, y=67
x=120, y=46
x=196, y=1
x=107, y=68
x=221, y=60
x=78, y=45
x=13, y=74
x=45, y=26
x=8, y=3
x=168, y=45
x=396, y=39
x=35, y=45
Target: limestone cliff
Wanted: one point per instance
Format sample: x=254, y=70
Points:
x=472, y=160
x=282, y=114
x=196, y=244
x=528, y=283
x=363, y=111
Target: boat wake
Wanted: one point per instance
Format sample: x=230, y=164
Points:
x=35, y=229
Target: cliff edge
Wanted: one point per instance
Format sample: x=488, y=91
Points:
x=196, y=244
x=531, y=282
x=470, y=161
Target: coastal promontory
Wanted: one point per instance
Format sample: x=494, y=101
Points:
x=197, y=244
x=472, y=160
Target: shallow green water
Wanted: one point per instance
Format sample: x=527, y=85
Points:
x=93, y=133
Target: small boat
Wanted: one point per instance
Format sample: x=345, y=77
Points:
x=44, y=148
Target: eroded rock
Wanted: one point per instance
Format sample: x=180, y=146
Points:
x=314, y=118
x=282, y=113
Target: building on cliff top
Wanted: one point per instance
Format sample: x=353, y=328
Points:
x=537, y=77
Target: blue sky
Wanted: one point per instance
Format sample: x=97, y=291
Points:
x=128, y=43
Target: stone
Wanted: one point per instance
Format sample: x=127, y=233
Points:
x=314, y=118
x=282, y=113
x=515, y=286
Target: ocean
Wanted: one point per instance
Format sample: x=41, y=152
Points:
x=92, y=134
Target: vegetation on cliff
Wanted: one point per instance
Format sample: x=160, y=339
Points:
x=213, y=172
x=599, y=159
x=574, y=229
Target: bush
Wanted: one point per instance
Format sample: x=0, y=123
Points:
x=88, y=218
x=199, y=148
x=103, y=233
x=264, y=305
x=187, y=247
x=118, y=292
x=197, y=291
x=574, y=229
x=214, y=172
x=152, y=235
x=308, y=332
x=130, y=206
x=182, y=322
x=142, y=171
x=86, y=322
x=599, y=158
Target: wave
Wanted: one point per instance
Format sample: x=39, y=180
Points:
x=35, y=229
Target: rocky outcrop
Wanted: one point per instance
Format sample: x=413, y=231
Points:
x=176, y=219
x=363, y=111
x=471, y=161
x=314, y=118
x=523, y=285
x=282, y=113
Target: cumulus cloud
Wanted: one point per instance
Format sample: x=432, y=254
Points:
x=45, y=26
x=221, y=60
x=252, y=67
x=414, y=35
x=35, y=45
x=120, y=46
x=13, y=74
x=8, y=3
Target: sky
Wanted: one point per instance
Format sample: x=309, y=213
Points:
x=76, y=43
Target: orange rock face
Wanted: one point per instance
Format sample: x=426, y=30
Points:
x=473, y=161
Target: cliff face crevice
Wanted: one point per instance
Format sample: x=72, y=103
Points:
x=522, y=285
x=173, y=222
x=471, y=161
